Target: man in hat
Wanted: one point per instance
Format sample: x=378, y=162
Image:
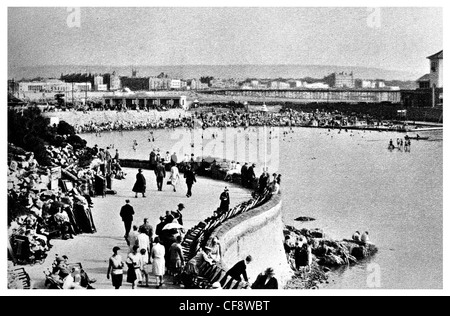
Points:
x=127, y=213
x=224, y=201
x=190, y=179
x=177, y=214
x=266, y=281
x=160, y=173
x=147, y=228
x=239, y=270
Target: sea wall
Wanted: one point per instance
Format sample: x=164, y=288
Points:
x=258, y=233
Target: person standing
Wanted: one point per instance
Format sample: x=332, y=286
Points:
x=115, y=269
x=179, y=216
x=251, y=176
x=140, y=184
x=160, y=173
x=158, y=262
x=244, y=171
x=116, y=157
x=127, y=213
x=266, y=281
x=224, y=201
x=174, y=176
x=263, y=181
x=174, y=159
x=152, y=159
x=176, y=262
x=190, y=180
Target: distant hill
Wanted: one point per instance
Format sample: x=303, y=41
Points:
x=217, y=71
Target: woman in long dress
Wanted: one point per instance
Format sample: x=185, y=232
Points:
x=174, y=177
x=158, y=262
x=140, y=184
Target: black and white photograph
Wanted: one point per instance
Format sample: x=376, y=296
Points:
x=246, y=147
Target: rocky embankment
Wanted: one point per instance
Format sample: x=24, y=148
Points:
x=327, y=254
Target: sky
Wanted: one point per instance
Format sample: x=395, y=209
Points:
x=391, y=38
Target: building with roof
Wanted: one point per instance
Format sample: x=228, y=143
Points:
x=433, y=81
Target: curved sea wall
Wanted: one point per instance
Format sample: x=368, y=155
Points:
x=259, y=233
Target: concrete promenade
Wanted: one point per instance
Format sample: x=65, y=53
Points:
x=94, y=250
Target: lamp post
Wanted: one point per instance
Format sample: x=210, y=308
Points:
x=264, y=110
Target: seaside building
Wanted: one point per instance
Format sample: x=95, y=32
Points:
x=433, y=81
x=114, y=82
x=340, y=80
x=135, y=83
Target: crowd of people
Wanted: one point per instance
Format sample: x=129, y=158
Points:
x=229, y=118
x=159, y=248
x=41, y=206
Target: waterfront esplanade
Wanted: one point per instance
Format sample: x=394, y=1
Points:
x=145, y=100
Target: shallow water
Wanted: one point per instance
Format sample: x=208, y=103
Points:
x=347, y=181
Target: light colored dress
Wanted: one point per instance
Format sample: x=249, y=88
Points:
x=158, y=262
x=174, y=175
x=215, y=252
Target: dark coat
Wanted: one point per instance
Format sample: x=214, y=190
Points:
x=160, y=171
x=127, y=213
x=140, y=184
x=190, y=177
x=152, y=159
x=261, y=280
x=238, y=270
x=224, y=201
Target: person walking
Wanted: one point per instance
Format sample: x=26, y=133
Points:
x=132, y=238
x=224, y=201
x=133, y=263
x=143, y=241
x=140, y=184
x=266, y=281
x=160, y=173
x=148, y=230
x=174, y=176
x=127, y=213
x=176, y=260
x=115, y=269
x=158, y=262
x=190, y=180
